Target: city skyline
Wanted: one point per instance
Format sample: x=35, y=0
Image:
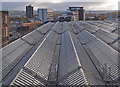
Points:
x=60, y=5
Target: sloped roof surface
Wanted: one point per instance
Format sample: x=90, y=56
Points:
x=64, y=53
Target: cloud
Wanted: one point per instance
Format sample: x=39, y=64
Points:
x=60, y=0
x=60, y=5
x=14, y=5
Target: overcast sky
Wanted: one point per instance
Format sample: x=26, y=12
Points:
x=60, y=5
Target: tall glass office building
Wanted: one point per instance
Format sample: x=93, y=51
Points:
x=42, y=15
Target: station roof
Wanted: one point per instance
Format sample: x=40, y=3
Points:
x=63, y=53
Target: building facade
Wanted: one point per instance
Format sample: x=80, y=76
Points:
x=29, y=11
x=31, y=25
x=42, y=15
x=4, y=30
x=63, y=18
x=78, y=13
x=81, y=13
x=50, y=15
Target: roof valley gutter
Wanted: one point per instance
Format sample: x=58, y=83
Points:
x=78, y=59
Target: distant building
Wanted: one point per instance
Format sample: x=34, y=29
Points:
x=70, y=16
x=64, y=18
x=61, y=18
x=31, y=25
x=50, y=15
x=4, y=21
x=81, y=13
x=78, y=13
x=16, y=13
x=42, y=15
x=29, y=11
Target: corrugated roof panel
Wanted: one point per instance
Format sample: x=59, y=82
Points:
x=26, y=79
x=91, y=28
x=22, y=79
x=75, y=27
x=11, y=47
x=115, y=45
x=106, y=36
x=45, y=28
x=59, y=39
x=83, y=34
x=110, y=52
x=107, y=27
x=64, y=27
x=104, y=25
x=33, y=37
x=108, y=24
x=79, y=27
x=72, y=28
x=8, y=59
x=58, y=27
x=41, y=59
x=114, y=71
x=103, y=52
x=104, y=48
x=38, y=83
x=116, y=31
x=68, y=60
x=96, y=24
x=73, y=80
x=68, y=64
x=86, y=62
